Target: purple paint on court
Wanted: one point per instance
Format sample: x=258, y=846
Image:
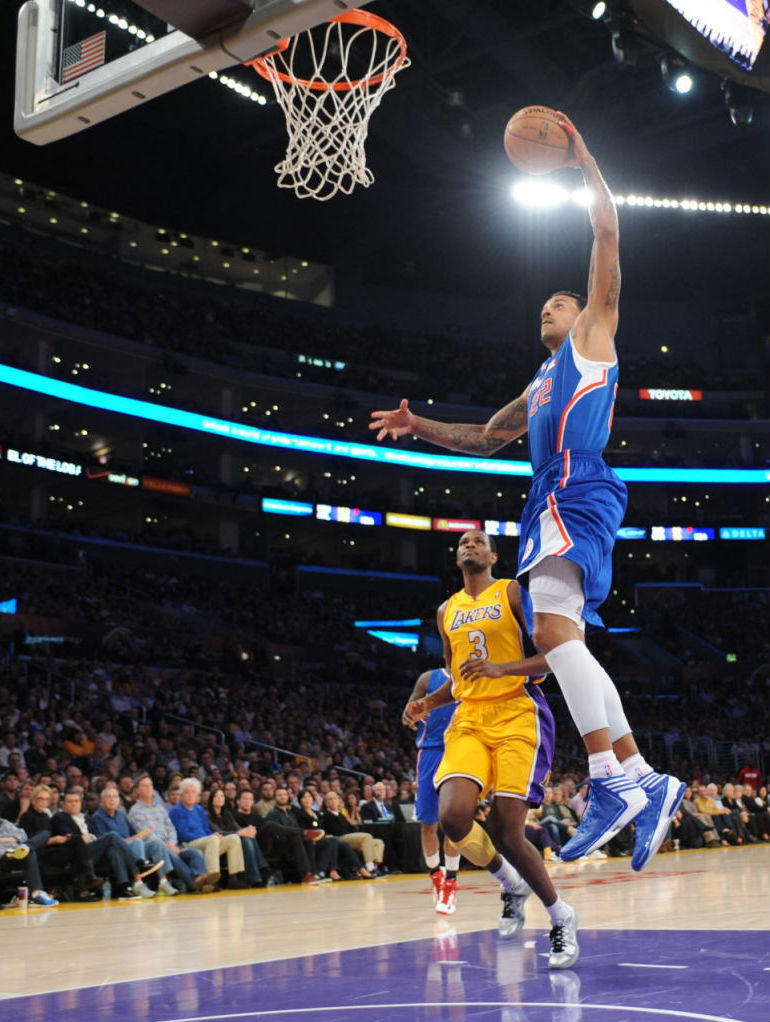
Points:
x=474, y=976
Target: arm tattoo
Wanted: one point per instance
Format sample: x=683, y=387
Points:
x=613, y=290
x=503, y=427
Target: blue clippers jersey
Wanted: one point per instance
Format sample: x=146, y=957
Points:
x=570, y=405
x=430, y=733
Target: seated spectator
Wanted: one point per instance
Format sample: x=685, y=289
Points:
x=126, y=790
x=277, y=838
x=266, y=802
x=18, y=805
x=10, y=787
x=320, y=861
x=342, y=855
x=556, y=816
x=9, y=748
x=739, y=815
x=111, y=817
x=15, y=852
x=705, y=802
x=335, y=823
x=109, y=851
x=38, y=754
x=380, y=808
x=221, y=821
x=351, y=808
x=148, y=813
x=192, y=826
x=57, y=851
x=759, y=817
x=80, y=748
x=541, y=837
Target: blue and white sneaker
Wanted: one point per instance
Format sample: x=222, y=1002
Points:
x=613, y=802
x=665, y=794
x=43, y=898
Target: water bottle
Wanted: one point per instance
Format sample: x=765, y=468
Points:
x=106, y=890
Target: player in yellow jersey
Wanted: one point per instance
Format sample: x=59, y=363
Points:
x=500, y=740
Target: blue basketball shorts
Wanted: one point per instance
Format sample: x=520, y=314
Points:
x=574, y=510
x=426, y=803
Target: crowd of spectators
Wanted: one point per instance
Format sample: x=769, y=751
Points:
x=256, y=332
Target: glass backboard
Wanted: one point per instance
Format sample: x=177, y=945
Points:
x=79, y=62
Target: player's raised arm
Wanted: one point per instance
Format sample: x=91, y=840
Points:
x=504, y=426
x=594, y=329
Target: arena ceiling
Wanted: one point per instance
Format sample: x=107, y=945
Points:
x=439, y=216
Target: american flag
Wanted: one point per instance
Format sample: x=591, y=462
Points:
x=82, y=57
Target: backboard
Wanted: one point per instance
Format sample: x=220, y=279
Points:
x=80, y=62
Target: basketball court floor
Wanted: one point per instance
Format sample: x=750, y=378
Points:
x=686, y=939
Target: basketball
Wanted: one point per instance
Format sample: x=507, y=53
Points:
x=535, y=141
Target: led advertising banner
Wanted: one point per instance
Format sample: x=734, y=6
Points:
x=631, y=532
x=351, y=515
x=678, y=533
x=29, y=460
x=147, y=410
x=743, y=532
x=286, y=507
x=661, y=394
x=455, y=524
x=492, y=527
x=400, y=521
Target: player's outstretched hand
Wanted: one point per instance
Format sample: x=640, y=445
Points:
x=414, y=711
x=580, y=153
x=393, y=423
x=476, y=667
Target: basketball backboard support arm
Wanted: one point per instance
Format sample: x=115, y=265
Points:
x=46, y=110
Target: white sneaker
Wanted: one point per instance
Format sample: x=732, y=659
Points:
x=142, y=890
x=564, y=943
x=166, y=887
x=512, y=917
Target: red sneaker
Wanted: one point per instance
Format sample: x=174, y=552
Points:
x=447, y=903
x=437, y=879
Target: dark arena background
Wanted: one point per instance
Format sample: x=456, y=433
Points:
x=210, y=568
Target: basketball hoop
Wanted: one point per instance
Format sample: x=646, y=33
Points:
x=329, y=80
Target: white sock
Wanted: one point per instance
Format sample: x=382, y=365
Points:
x=506, y=876
x=558, y=912
x=604, y=764
x=371, y=867
x=432, y=861
x=636, y=767
x=452, y=862
x=580, y=681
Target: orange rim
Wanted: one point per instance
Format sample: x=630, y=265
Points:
x=356, y=17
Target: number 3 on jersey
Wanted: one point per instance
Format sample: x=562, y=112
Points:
x=541, y=396
x=479, y=640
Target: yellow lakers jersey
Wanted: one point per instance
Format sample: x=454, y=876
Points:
x=483, y=627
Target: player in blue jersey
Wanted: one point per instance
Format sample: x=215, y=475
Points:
x=430, y=742
x=569, y=523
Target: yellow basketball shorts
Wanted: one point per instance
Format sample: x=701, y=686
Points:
x=505, y=746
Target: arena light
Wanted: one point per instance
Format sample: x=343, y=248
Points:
x=539, y=194
x=675, y=75
x=328, y=447
x=406, y=640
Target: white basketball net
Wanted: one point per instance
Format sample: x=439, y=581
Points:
x=329, y=80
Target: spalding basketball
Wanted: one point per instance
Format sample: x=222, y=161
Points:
x=535, y=141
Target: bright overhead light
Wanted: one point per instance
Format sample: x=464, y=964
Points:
x=683, y=83
x=539, y=194
x=599, y=10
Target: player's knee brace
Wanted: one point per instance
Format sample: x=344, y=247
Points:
x=477, y=846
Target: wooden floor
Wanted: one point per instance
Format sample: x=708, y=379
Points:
x=77, y=946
